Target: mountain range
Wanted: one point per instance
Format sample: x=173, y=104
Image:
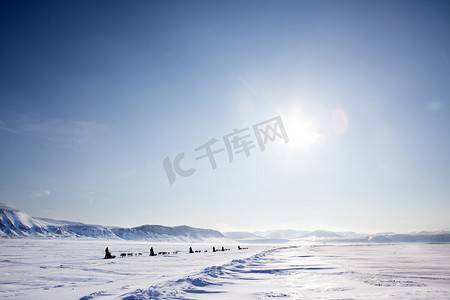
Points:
x=15, y=223
x=288, y=236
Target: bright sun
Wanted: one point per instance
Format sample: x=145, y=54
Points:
x=301, y=131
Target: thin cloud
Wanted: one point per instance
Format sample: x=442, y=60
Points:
x=68, y=133
x=64, y=127
x=4, y=127
x=40, y=194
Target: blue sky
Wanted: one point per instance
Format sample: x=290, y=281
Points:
x=95, y=95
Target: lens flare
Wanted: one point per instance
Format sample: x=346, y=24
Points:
x=339, y=121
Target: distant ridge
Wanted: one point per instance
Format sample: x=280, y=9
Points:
x=290, y=236
x=155, y=232
x=14, y=223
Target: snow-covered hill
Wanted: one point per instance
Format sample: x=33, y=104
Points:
x=158, y=232
x=286, y=236
x=15, y=223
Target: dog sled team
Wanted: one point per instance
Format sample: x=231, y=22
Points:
x=108, y=254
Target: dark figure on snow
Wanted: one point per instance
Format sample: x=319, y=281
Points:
x=214, y=249
x=190, y=250
x=223, y=249
x=152, y=253
x=108, y=254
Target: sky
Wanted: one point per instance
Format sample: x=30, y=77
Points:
x=108, y=110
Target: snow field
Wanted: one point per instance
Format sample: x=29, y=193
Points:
x=71, y=269
x=75, y=269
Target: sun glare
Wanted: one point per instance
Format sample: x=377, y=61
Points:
x=301, y=132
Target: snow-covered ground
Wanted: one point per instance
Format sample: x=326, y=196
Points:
x=74, y=269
